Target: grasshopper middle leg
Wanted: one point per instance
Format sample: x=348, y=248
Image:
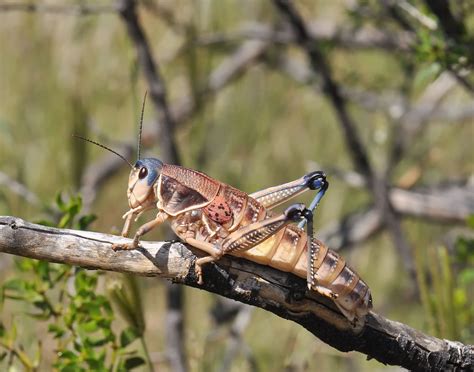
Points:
x=247, y=237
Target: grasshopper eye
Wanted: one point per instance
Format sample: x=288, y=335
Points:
x=143, y=173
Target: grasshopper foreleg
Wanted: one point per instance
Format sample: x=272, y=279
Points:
x=142, y=230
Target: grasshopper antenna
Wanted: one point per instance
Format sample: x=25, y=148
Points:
x=104, y=147
x=141, y=127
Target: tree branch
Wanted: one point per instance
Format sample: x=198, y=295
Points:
x=452, y=27
x=322, y=30
x=63, y=9
x=19, y=189
x=450, y=204
x=280, y=293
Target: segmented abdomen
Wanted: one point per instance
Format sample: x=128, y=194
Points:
x=287, y=251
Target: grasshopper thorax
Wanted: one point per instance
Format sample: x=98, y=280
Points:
x=141, y=182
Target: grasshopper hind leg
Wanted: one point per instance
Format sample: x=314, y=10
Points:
x=215, y=252
x=318, y=182
x=276, y=195
x=245, y=238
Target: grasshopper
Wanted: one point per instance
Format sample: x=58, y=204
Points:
x=220, y=219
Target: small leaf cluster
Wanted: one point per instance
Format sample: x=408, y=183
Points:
x=78, y=317
x=434, y=48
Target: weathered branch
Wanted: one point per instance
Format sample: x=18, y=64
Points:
x=451, y=26
x=345, y=36
x=19, y=189
x=280, y=293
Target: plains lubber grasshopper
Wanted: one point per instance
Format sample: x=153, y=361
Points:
x=220, y=219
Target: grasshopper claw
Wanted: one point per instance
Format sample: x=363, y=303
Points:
x=124, y=247
x=117, y=247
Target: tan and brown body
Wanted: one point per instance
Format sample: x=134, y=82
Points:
x=287, y=251
x=228, y=210
x=220, y=219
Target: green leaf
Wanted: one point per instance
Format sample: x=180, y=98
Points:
x=134, y=362
x=91, y=342
x=40, y=316
x=470, y=221
x=86, y=220
x=128, y=336
x=84, y=282
x=43, y=270
x=64, y=221
x=73, y=211
x=25, y=264
x=427, y=74
x=17, y=285
x=70, y=367
x=95, y=364
x=90, y=326
x=62, y=272
x=60, y=203
x=67, y=354
x=38, y=355
x=13, y=333
x=466, y=277
x=56, y=330
x=33, y=297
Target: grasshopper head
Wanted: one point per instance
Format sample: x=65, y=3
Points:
x=141, y=182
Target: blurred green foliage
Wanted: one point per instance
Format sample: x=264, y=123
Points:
x=77, y=316
x=446, y=281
